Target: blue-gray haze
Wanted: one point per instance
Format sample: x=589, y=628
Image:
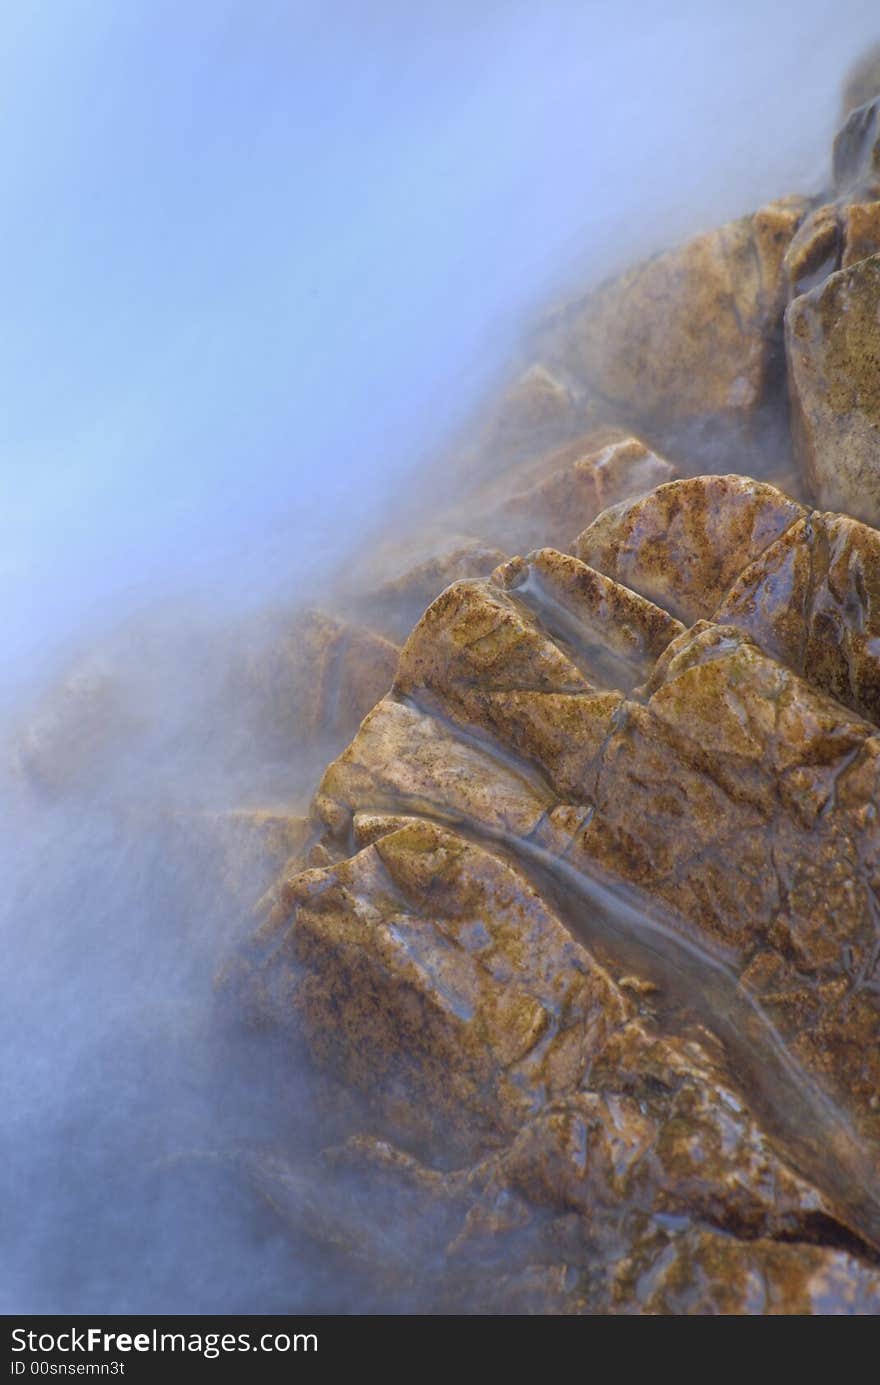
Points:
x=258, y=259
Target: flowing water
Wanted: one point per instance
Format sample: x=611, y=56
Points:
x=261, y=263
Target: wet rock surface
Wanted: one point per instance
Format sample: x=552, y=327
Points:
x=580, y=932
x=689, y=338
x=604, y=891
x=668, y=805
x=833, y=237
x=684, y=544
x=833, y=339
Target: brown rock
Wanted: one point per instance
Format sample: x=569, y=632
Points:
x=685, y=543
x=544, y=499
x=404, y=760
x=704, y=1273
x=591, y=922
x=808, y=597
x=812, y=600
x=582, y=930
x=841, y=232
x=430, y=973
x=536, y=407
x=726, y=731
x=547, y=502
x=396, y=602
x=743, y=798
x=315, y=679
x=665, y=1136
x=689, y=335
x=815, y=250
x=456, y=1020
x=538, y=659
x=833, y=344
x=861, y=232
x=483, y=1247
x=833, y=237
x=715, y=834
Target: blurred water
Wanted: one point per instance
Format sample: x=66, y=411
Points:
x=258, y=260
x=259, y=257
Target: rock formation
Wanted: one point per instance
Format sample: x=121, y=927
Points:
x=581, y=929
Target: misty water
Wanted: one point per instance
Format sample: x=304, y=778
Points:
x=263, y=262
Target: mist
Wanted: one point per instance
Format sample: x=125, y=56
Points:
x=262, y=265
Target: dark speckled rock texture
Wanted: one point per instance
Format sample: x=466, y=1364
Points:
x=833, y=338
x=605, y=915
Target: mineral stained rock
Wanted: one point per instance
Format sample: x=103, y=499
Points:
x=395, y=596
x=484, y=1247
x=547, y=501
x=537, y=408
x=843, y=231
x=581, y=933
x=545, y=498
x=590, y=919
x=568, y=800
x=833, y=237
x=688, y=337
x=833, y=343
x=585, y=920
x=683, y=544
x=316, y=679
x=832, y=335
x=802, y=585
x=829, y=629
